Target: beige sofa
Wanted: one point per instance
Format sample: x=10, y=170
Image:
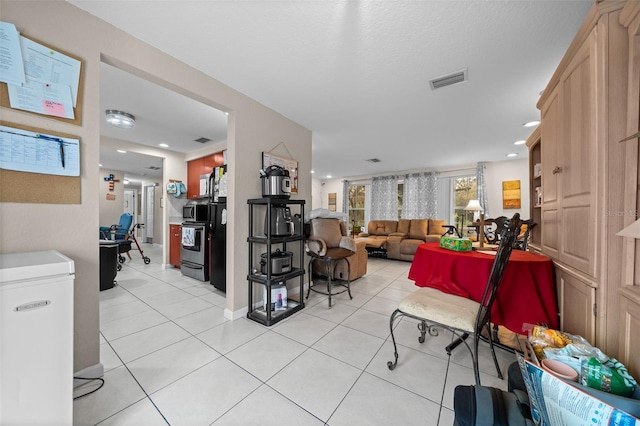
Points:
x=400, y=238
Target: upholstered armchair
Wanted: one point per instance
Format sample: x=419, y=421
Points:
x=335, y=257
x=328, y=235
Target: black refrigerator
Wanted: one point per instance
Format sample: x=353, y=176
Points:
x=218, y=250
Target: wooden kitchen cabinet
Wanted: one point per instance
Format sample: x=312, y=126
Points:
x=577, y=303
x=175, y=236
x=201, y=166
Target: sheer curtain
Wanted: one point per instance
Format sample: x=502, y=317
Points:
x=345, y=197
x=384, y=198
x=482, y=188
x=420, y=196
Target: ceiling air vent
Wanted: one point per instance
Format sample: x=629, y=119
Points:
x=202, y=140
x=374, y=160
x=153, y=168
x=448, y=80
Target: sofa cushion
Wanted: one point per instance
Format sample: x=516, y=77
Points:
x=382, y=227
x=403, y=226
x=418, y=229
x=436, y=226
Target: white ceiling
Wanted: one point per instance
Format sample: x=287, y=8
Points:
x=356, y=73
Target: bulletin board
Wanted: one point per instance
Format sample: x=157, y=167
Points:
x=25, y=187
x=77, y=110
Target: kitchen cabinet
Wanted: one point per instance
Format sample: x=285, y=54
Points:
x=201, y=166
x=175, y=236
x=262, y=239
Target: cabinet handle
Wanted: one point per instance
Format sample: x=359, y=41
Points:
x=557, y=170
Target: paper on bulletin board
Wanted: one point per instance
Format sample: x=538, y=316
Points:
x=27, y=151
x=11, y=63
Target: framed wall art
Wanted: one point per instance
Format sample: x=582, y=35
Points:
x=511, y=194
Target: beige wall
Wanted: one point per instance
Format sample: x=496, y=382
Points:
x=252, y=128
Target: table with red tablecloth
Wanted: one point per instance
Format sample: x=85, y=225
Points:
x=526, y=293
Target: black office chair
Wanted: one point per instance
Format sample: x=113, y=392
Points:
x=463, y=317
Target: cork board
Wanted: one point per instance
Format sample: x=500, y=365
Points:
x=77, y=111
x=24, y=187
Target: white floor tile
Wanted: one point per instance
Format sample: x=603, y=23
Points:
x=416, y=371
x=351, y=346
x=119, y=391
x=336, y=313
x=369, y=322
x=166, y=365
x=267, y=354
x=146, y=341
x=108, y=358
x=131, y=324
x=232, y=334
x=206, y=394
x=203, y=320
x=275, y=410
x=374, y=401
x=303, y=328
x=316, y=381
x=142, y=413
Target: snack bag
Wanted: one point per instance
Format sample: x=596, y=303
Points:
x=610, y=376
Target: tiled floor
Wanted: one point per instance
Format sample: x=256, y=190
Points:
x=170, y=357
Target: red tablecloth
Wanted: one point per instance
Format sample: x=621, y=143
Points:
x=526, y=293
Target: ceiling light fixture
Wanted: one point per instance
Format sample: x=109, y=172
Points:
x=531, y=123
x=121, y=151
x=519, y=142
x=164, y=145
x=124, y=120
x=513, y=154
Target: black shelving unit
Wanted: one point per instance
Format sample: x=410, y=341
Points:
x=258, y=209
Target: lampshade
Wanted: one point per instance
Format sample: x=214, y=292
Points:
x=631, y=231
x=474, y=205
x=120, y=119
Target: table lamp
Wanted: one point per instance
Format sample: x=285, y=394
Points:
x=474, y=206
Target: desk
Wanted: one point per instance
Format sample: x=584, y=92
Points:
x=526, y=293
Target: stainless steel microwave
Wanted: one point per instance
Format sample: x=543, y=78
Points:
x=193, y=212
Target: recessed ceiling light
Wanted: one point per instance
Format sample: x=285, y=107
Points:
x=512, y=154
x=121, y=151
x=312, y=172
x=126, y=181
x=519, y=142
x=163, y=145
x=124, y=120
x=328, y=176
x=531, y=123
x=99, y=165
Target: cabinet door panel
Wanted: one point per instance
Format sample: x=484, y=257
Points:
x=577, y=178
x=629, y=332
x=549, y=153
x=576, y=300
x=550, y=232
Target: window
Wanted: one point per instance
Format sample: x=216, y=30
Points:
x=464, y=189
x=356, y=207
